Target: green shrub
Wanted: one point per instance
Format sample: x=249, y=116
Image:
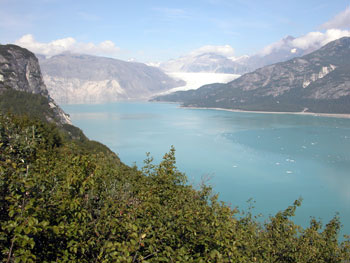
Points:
x=61, y=203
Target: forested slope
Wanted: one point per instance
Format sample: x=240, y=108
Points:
x=61, y=202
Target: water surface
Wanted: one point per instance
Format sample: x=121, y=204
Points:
x=272, y=158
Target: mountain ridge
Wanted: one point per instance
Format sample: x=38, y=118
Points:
x=80, y=78
x=318, y=82
x=205, y=62
x=214, y=62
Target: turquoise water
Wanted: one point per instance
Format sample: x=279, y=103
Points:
x=272, y=158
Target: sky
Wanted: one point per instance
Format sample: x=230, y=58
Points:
x=158, y=30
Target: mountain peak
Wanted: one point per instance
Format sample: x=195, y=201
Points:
x=317, y=82
x=288, y=38
x=208, y=62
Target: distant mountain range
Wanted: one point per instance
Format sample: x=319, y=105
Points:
x=280, y=51
x=206, y=62
x=317, y=82
x=75, y=78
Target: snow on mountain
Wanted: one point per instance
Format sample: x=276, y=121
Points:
x=316, y=82
x=205, y=62
x=212, y=62
x=194, y=80
x=220, y=59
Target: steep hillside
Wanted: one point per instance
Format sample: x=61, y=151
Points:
x=317, y=82
x=73, y=78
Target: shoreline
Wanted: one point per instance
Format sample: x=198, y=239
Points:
x=330, y=115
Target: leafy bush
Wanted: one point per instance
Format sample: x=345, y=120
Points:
x=24, y=103
x=61, y=203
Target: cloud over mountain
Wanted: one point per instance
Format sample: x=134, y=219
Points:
x=225, y=50
x=316, y=40
x=105, y=48
x=311, y=41
x=341, y=20
x=337, y=27
x=280, y=44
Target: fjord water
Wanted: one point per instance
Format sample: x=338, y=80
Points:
x=271, y=158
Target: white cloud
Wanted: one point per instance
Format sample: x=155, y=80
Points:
x=225, y=50
x=105, y=48
x=314, y=40
x=337, y=27
x=340, y=21
x=310, y=42
x=284, y=43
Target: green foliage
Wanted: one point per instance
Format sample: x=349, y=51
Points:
x=62, y=203
x=36, y=107
x=25, y=103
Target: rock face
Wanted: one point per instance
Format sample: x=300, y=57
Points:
x=317, y=82
x=19, y=70
x=73, y=78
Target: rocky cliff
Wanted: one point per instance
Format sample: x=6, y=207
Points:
x=317, y=82
x=20, y=71
x=74, y=78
